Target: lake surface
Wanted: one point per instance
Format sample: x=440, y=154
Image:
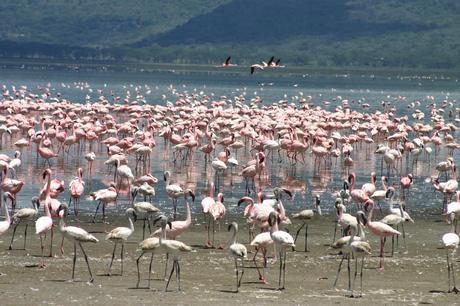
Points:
x=159, y=88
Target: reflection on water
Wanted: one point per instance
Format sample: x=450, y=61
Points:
x=405, y=94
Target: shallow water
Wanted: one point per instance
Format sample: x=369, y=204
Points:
x=413, y=276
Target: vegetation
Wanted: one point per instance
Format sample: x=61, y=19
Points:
x=376, y=33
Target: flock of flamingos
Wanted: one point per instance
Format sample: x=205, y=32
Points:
x=220, y=133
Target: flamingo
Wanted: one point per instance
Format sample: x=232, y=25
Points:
x=24, y=214
x=238, y=252
x=343, y=242
x=5, y=225
x=173, y=248
x=282, y=240
x=406, y=182
x=120, y=235
x=206, y=203
x=175, y=191
x=356, y=249
x=217, y=211
x=306, y=215
x=77, y=187
x=77, y=235
x=152, y=245
x=450, y=243
x=104, y=196
x=262, y=242
x=44, y=224
x=379, y=229
x=144, y=210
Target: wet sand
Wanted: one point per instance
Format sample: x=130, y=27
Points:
x=415, y=275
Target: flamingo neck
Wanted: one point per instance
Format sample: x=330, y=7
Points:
x=5, y=207
x=131, y=224
x=188, y=219
x=233, y=238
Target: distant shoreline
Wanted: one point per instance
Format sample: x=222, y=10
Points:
x=61, y=64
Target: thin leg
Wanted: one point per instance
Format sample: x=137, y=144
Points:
x=170, y=275
x=284, y=269
x=349, y=273
x=298, y=231
x=338, y=272
x=42, y=262
x=448, y=269
x=166, y=265
x=74, y=259
x=51, y=243
x=138, y=273
x=121, y=255
x=242, y=272
x=97, y=209
x=281, y=267
x=12, y=238
x=111, y=261
x=236, y=274
x=453, y=278
x=150, y=269
x=354, y=279
x=87, y=263
x=361, y=277
x=306, y=238
x=25, y=235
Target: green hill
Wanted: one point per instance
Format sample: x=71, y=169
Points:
x=409, y=33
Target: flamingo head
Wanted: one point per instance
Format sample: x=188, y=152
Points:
x=233, y=226
x=390, y=192
x=46, y=172
x=190, y=193
x=273, y=217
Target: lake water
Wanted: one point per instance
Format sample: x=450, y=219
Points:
x=398, y=90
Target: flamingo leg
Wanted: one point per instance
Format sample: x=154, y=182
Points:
x=170, y=275
x=42, y=264
x=236, y=274
x=25, y=235
x=87, y=263
x=74, y=258
x=138, y=272
x=361, y=277
x=111, y=261
x=150, y=268
x=306, y=238
x=12, y=238
x=242, y=272
x=121, y=256
x=338, y=272
x=51, y=244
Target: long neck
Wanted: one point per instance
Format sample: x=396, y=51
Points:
x=188, y=219
x=361, y=232
x=384, y=186
x=233, y=239
x=5, y=207
x=131, y=224
x=370, y=213
x=274, y=227
x=62, y=220
x=48, y=186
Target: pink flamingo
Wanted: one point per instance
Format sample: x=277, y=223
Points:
x=44, y=224
x=11, y=186
x=358, y=195
x=77, y=187
x=46, y=153
x=379, y=229
x=217, y=211
x=406, y=182
x=206, y=203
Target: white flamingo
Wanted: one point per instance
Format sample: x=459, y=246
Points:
x=120, y=235
x=238, y=252
x=77, y=235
